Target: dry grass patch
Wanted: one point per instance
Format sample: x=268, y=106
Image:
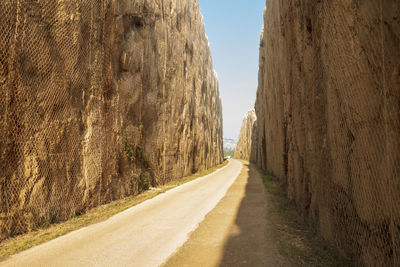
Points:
x=296, y=241
x=23, y=242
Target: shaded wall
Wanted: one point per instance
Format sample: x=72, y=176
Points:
x=100, y=100
x=328, y=117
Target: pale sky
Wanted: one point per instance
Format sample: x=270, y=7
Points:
x=233, y=28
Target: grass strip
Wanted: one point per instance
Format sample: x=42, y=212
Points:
x=296, y=240
x=23, y=242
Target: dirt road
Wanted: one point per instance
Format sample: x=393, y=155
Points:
x=215, y=220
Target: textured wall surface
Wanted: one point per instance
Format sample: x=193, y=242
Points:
x=244, y=144
x=100, y=100
x=328, y=115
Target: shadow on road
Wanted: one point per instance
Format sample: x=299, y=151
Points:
x=252, y=245
x=271, y=232
x=253, y=225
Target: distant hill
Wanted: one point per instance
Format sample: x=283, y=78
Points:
x=229, y=147
x=229, y=144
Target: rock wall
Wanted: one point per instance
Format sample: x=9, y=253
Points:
x=328, y=115
x=244, y=145
x=100, y=100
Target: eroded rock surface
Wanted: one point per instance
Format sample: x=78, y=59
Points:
x=328, y=116
x=100, y=100
x=244, y=145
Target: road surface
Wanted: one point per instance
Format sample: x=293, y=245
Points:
x=216, y=220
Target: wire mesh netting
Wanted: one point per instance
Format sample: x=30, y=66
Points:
x=328, y=119
x=100, y=100
x=50, y=52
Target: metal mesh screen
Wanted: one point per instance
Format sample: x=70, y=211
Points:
x=100, y=100
x=328, y=119
x=54, y=60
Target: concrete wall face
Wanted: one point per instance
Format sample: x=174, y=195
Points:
x=100, y=100
x=328, y=118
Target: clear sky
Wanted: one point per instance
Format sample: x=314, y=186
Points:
x=233, y=28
